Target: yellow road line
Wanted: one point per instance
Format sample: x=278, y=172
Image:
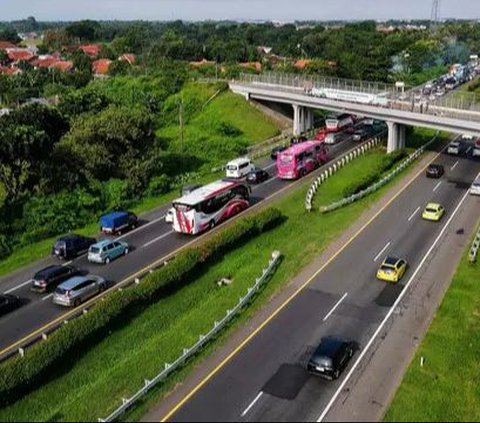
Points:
x=290, y=299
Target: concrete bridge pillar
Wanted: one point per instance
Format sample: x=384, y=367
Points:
x=302, y=119
x=396, y=137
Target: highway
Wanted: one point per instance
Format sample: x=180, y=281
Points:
x=152, y=241
x=266, y=380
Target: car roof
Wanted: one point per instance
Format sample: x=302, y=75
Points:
x=329, y=346
x=391, y=261
x=238, y=161
x=49, y=269
x=73, y=282
x=103, y=243
x=70, y=236
x=435, y=165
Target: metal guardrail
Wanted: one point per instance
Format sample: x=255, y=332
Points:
x=375, y=187
x=341, y=162
x=202, y=341
x=475, y=248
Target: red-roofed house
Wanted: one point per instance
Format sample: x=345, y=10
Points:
x=19, y=55
x=63, y=65
x=92, y=50
x=128, y=57
x=9, y=71
x=6, y=44
x=101, y=66
x=43, y=62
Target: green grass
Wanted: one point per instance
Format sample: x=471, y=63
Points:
x=447, y=387
x=218, y=130
x=117, y=366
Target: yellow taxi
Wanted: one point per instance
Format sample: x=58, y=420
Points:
x=392, y=269
x=433, y=212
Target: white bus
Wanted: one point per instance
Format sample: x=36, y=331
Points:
x=379, y=99
x=336, y=123
x=239, y=168
x=210, y=205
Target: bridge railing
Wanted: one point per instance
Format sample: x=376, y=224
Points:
x=464, y=106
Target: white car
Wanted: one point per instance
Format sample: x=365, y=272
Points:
x=169, y=215
x=454, y=148
x=467, y=137
x=475, y=189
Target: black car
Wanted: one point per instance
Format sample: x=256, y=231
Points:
x=71, y=246
x=257, y=176
x=331, y=357
x=52, y=276
x=435, y=171
x=9, y=303
x=276, y=151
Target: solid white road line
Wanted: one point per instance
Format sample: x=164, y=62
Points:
x=413, y=214
x=392, y=309
x=437, y=186
x=455, y=165
x=335, y=307
x=153, y=241
x=47, y=297
x=252, y=404
x=381, y=252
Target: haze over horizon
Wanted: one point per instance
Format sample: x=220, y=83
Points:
x=193, y=10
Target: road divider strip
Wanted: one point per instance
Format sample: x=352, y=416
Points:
x=385, y=180
x=341, y=162
x=472, y=256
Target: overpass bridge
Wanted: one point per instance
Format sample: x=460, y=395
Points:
x=385, y=102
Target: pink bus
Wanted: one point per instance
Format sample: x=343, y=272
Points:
x=301, y=159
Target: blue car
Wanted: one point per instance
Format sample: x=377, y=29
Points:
x=106, y=251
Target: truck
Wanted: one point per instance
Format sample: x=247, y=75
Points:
x=118, y=222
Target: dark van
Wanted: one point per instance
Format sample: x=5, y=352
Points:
x=117, y=222
x=71, y=246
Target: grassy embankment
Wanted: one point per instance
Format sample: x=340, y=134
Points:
x=202, y=138
x=447, y=387
x=138, y=350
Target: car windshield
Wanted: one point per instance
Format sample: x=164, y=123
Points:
x=286, y=158
x=62, y=291
x=476, y=184
x=94, y=250
x=387, y=268
x=454, y=144
x=431, y=210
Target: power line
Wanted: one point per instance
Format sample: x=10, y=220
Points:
x=435, y=15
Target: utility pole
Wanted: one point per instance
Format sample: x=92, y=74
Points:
x=435, y=15
x=180, y=121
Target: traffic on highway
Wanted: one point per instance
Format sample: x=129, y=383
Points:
x=309, y=348
x=81, y=268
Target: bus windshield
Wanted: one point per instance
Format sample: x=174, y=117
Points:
x=286, y=158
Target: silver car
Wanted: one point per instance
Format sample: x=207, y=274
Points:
x=78, y=289
x=475, y=188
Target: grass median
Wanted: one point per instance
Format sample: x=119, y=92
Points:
x=447, y=387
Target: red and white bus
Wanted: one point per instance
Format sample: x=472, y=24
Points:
x=210, y=205
x=301, y=159
x=336, y=123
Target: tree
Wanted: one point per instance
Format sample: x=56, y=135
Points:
x=56, y=39
x=83, y=30
x=9, y=34
x=109, y=144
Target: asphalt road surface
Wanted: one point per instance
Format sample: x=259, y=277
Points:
x=266, y=380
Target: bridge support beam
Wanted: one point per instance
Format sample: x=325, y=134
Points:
x=396, y=137
x=302, y=119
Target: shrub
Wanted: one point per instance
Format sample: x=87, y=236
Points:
x=116, y=194
x=17, y=375
x=5, y=248
x=159, y=185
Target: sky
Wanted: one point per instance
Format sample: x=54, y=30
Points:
x=191, y=10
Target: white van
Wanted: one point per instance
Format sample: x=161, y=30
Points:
x=239, y=168
x=475, y=188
